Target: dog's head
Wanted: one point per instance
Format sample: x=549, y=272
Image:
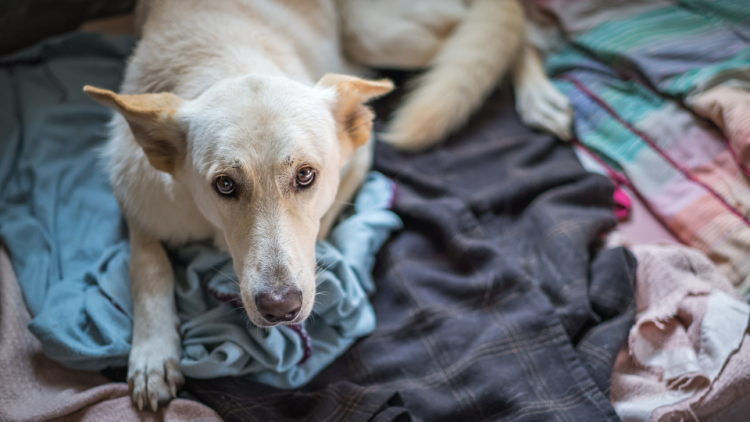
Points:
x=261, y=157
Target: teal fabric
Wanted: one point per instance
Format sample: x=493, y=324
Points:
x=68, y=240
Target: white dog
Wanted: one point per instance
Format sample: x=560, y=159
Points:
x=237, y=122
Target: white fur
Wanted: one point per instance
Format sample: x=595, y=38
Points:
x=252, y=98
x=469, y=46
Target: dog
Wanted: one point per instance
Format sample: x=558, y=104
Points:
x=245, y=122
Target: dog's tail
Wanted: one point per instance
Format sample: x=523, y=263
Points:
x=478, y=53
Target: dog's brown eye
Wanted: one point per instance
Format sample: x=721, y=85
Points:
x=224, y=185
x=305, y=176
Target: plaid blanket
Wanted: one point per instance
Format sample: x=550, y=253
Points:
x=493, y=302
x=640, y=76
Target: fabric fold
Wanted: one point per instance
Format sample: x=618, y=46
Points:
x=690, y=325
x=493, y=302
x=643, y=78
x=35, y=388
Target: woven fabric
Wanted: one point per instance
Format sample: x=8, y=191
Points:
x=643, y=77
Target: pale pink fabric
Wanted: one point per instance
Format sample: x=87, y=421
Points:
x=729, y=108
x=35, y=388
x=664, y=357
x=727, y=400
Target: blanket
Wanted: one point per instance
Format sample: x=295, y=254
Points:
x=688, y=353
x=494, y=301
x=644, y=77
x=69, y=243
x=35, y=388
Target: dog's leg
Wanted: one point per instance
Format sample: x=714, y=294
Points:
x=353, y=174
x=538, y=102
x=153, y=367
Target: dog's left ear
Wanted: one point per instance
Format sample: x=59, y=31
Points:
x=151, y=117
x=353, y=117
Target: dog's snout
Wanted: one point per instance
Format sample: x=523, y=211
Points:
x=279, y=305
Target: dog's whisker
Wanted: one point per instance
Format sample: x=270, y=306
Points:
x=226, y=275
x=317, y=261
x=324, y=269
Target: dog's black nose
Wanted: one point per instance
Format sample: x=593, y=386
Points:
x=279, y=305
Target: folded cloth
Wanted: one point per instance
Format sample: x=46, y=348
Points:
x=35, y=388
x=69, y=245
x=493, y=302
x=728, y=105
x=688, y=353
x=633, y=70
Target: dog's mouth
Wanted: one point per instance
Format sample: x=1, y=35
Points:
x=235, y=299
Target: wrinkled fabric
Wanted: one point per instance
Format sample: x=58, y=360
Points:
x=691, y=327
x=216, y=339
x=642, y=77
x=69, y=243
x=34, y=388
x=728, y=106
x=494, y=301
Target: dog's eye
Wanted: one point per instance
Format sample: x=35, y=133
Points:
x=305, y=176
x=224, y=185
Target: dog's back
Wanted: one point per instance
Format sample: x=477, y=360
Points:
x=187, y=45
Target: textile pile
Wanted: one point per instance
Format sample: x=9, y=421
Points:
x=493, y=301
x=661, y=90
x=479, y=280
x=644, y=78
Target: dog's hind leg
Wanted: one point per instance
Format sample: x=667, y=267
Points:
x=539, y=104
x=153, y=367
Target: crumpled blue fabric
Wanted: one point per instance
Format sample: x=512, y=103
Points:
x=217, y=340
x=68, y=240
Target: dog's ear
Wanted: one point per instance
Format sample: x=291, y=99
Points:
x=152, y=119
x=353, y=118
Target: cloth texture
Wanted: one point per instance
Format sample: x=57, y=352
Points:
x=35, y=388
x=25, y=22
x=69, y=244
x=644, y=77
x=687, y=354
x=493, y=303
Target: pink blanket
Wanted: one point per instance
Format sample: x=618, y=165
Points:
x=688, y=354
x=35, y=388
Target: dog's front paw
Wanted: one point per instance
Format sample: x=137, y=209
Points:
x=154, y=374
x=543, y=107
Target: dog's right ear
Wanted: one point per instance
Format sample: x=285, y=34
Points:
x=353, y=117
x=152, y=119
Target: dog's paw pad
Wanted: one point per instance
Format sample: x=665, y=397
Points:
x=153, y=378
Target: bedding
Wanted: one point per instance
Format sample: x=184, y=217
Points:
x=688, y=353
x=69, y=244
x=25, y=22
x=644, y=77
x=493, y=302
x=35, y=388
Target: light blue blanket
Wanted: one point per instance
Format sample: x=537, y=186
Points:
x=69, y=246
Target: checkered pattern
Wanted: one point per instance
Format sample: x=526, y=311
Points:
x=491, y=303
